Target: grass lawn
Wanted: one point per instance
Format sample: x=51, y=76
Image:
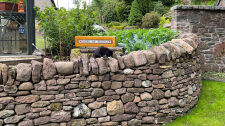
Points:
x=40, y=42
x=210, y=110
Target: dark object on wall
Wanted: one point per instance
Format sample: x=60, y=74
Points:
x=103, y=51
x=6, y=6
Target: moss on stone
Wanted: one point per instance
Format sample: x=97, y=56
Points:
x=75, y=53
x=56, y=106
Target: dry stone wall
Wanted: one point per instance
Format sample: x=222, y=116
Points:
x=207, y=22
x=143, y=87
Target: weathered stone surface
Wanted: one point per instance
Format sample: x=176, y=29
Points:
x=96, y=84
x=60, y=116
x=26, y=86
x=113, y=64
x=95, y=105
x=85, y=64
x=32, y=115
x=10, y=89
x=163, y=101
x=75, y=66
x=106, y=85
x=168, y=94
x=118, y=77
x=168, y=74
x=134, y=122
x=158, y=85
x=146, y=83
x=139, y=58
x=77, y=122
x=55, y=106
x=99, y=112
x=148, y=119
x=157, y=94
x=26, y=123
x=110, y=124
x=137, y=83
x=92, y=78
x=189, y=49
x=131, y=107
x=63, y=81
x=94, y=65
x=4, y=70
x=128, y=61
x=182, y=102
x=23, y=72
x=40, y=104
x=128, y=71
x=6, y=113
x=150, y=56
x=128, y=97
x=42, y=120
x=6, y=100
x=36, y=71
x=115, y=107
x=97, y=92
x=27, y=99
x=121, y=91
x=173, y=101
x=122, y=117
x=1, y=78
x=45, y=113
x=103, y=68
x=11, y=75
x=84, y=84
x=49, y=69
x=160, y=54
x=146, y=96
x=104, y=119
x=64, y=68
x=128, y=83
x=22, y=109
x=91, y=120
x=81, y=111
x=14, y=119
x=116, y=85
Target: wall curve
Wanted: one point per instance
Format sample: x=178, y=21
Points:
x=143, y=87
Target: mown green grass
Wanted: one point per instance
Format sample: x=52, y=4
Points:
x=210, y=110
x=40, y=42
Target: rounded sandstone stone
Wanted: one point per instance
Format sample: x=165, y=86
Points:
x=26, y=86
x=115, y=107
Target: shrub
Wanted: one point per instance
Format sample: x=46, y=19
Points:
x=61, y=26
x=113, y=23
x=135, y=14
x=163, y=21
x=151, y=20
x=118, y=27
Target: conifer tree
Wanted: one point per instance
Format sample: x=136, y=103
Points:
x=135, y=16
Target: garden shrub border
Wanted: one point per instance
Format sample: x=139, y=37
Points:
x=143, y=87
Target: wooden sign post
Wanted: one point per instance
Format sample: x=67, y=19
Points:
x=95, y=41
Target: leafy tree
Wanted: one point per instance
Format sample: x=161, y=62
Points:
x=135, y=16
x=122, y=10
x=145, y=6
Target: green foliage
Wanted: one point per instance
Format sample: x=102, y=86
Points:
x=210, y=109
x=160, y=8
x=151, y=20
x=108, y=11
x=122, y=11
x=118, y=27
x=145, y=6
x=163, y=20
x=113, y=23
x=135, y=14
x=141, y=39
x=62, y=26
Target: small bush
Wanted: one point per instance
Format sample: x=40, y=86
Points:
x=163, y=21
x=118, y=27
x=113, y=23
x=151, y=20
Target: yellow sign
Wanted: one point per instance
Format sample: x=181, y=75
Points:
x=95, y=41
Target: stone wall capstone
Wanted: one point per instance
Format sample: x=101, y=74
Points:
x=144, y=87
x=207, y=22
